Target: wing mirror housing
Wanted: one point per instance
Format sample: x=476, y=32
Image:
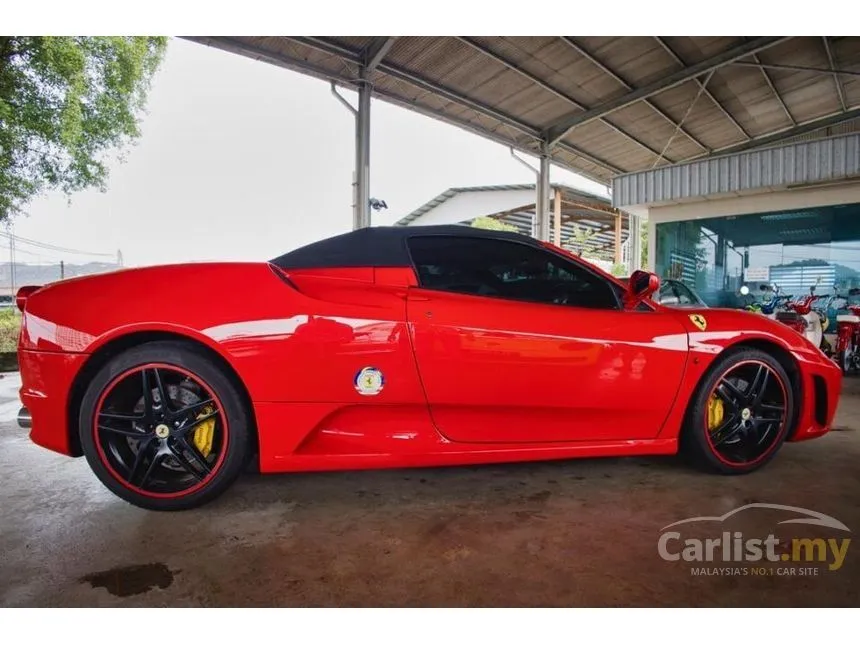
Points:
x=640, y=286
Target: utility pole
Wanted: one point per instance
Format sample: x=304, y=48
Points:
x=62, y=270
x=11, y=256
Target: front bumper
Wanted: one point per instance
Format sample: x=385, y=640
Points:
x=46, y=384
x=820, y=389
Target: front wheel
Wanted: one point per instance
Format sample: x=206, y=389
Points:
x=846, y=360
x=163, y=427
x=740, y=414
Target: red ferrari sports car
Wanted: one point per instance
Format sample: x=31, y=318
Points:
x=394, y=347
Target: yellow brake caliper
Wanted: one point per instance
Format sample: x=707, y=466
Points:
x=715, y=412
x=205, y=432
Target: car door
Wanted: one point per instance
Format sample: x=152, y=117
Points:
x=515, y=343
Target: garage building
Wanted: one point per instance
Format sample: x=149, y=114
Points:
x=787, y=215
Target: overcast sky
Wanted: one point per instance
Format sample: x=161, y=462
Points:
x=241, y=160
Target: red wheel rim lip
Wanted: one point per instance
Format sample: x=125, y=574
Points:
x=106, y=462
x=782, y=427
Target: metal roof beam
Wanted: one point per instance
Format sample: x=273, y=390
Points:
x=563, y=126
x=453, y=96
x=602, y=67
x=800, y=129
x=300, y=65
x=376, y=51
x=705, y=91
x=778, y=96
x=550, y=88
x=797, y=68
x=413, y=79
x=836, y=78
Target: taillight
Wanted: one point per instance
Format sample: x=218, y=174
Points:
x=22, y=295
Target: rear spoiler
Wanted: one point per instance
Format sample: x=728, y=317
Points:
x=24, y=293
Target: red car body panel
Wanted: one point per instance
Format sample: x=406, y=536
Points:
x=467, y=379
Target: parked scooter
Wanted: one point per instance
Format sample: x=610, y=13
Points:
x=848, y=337
x=811, y=325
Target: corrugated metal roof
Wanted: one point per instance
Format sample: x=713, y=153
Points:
x=580, y=212
x=805, y=162
x=635, y=103
x=443, y=197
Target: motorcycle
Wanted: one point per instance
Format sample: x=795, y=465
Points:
x=848, y=337
x=769, y=307
x=808, y=322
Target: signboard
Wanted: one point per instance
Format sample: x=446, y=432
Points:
x=757, y=274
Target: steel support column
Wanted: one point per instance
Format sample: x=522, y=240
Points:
x=361, y=173
x=634, y=244
x=361, y=207
x=541, y=221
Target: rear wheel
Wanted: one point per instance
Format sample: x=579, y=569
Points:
x=740, y=413
x=163, y=427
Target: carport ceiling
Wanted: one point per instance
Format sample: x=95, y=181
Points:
x=610, y=105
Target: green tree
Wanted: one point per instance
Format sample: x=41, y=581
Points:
x=64, y=103
x=643, y=250
x=492, y=224
x=619, y=270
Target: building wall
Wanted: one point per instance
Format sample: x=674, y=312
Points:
x=787, y=199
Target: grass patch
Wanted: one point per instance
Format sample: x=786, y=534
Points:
x=10, y=324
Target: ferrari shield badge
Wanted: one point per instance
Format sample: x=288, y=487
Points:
x=369, y=381
x=699, y=321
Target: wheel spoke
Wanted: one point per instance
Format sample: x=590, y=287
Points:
x=148, y=403
x=122, y=417
x=726, y=431
x=199, y=469
x=126, y=432
x=195, y=408
x=144, y=463
x=756, y=389
x=163, y=397
x=197, y=421
x=763, y=435
x=730, y=394
x=768, y=407
x=108, y=419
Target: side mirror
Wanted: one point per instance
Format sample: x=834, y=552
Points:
x=640, y=286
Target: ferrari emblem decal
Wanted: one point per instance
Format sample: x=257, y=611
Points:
x=699, y=321
x=369, y=381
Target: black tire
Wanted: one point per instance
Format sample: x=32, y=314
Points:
x=845, y=362
x=196, y=362
x=840, y=360
x=696, y=444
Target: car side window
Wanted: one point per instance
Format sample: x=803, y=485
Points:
x=683, y=294
x=667, y=294
x=508, y=270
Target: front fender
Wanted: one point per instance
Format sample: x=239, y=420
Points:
x=713, y=331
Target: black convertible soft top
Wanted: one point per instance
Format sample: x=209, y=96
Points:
x=380, y=246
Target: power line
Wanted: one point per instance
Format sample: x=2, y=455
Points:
x=51, y=247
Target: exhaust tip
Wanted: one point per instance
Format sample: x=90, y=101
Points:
x=24, y=419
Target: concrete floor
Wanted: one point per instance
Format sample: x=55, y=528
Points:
x=561, y=533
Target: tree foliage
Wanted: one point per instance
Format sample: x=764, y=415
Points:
x=492, y=224
x=65, y=102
